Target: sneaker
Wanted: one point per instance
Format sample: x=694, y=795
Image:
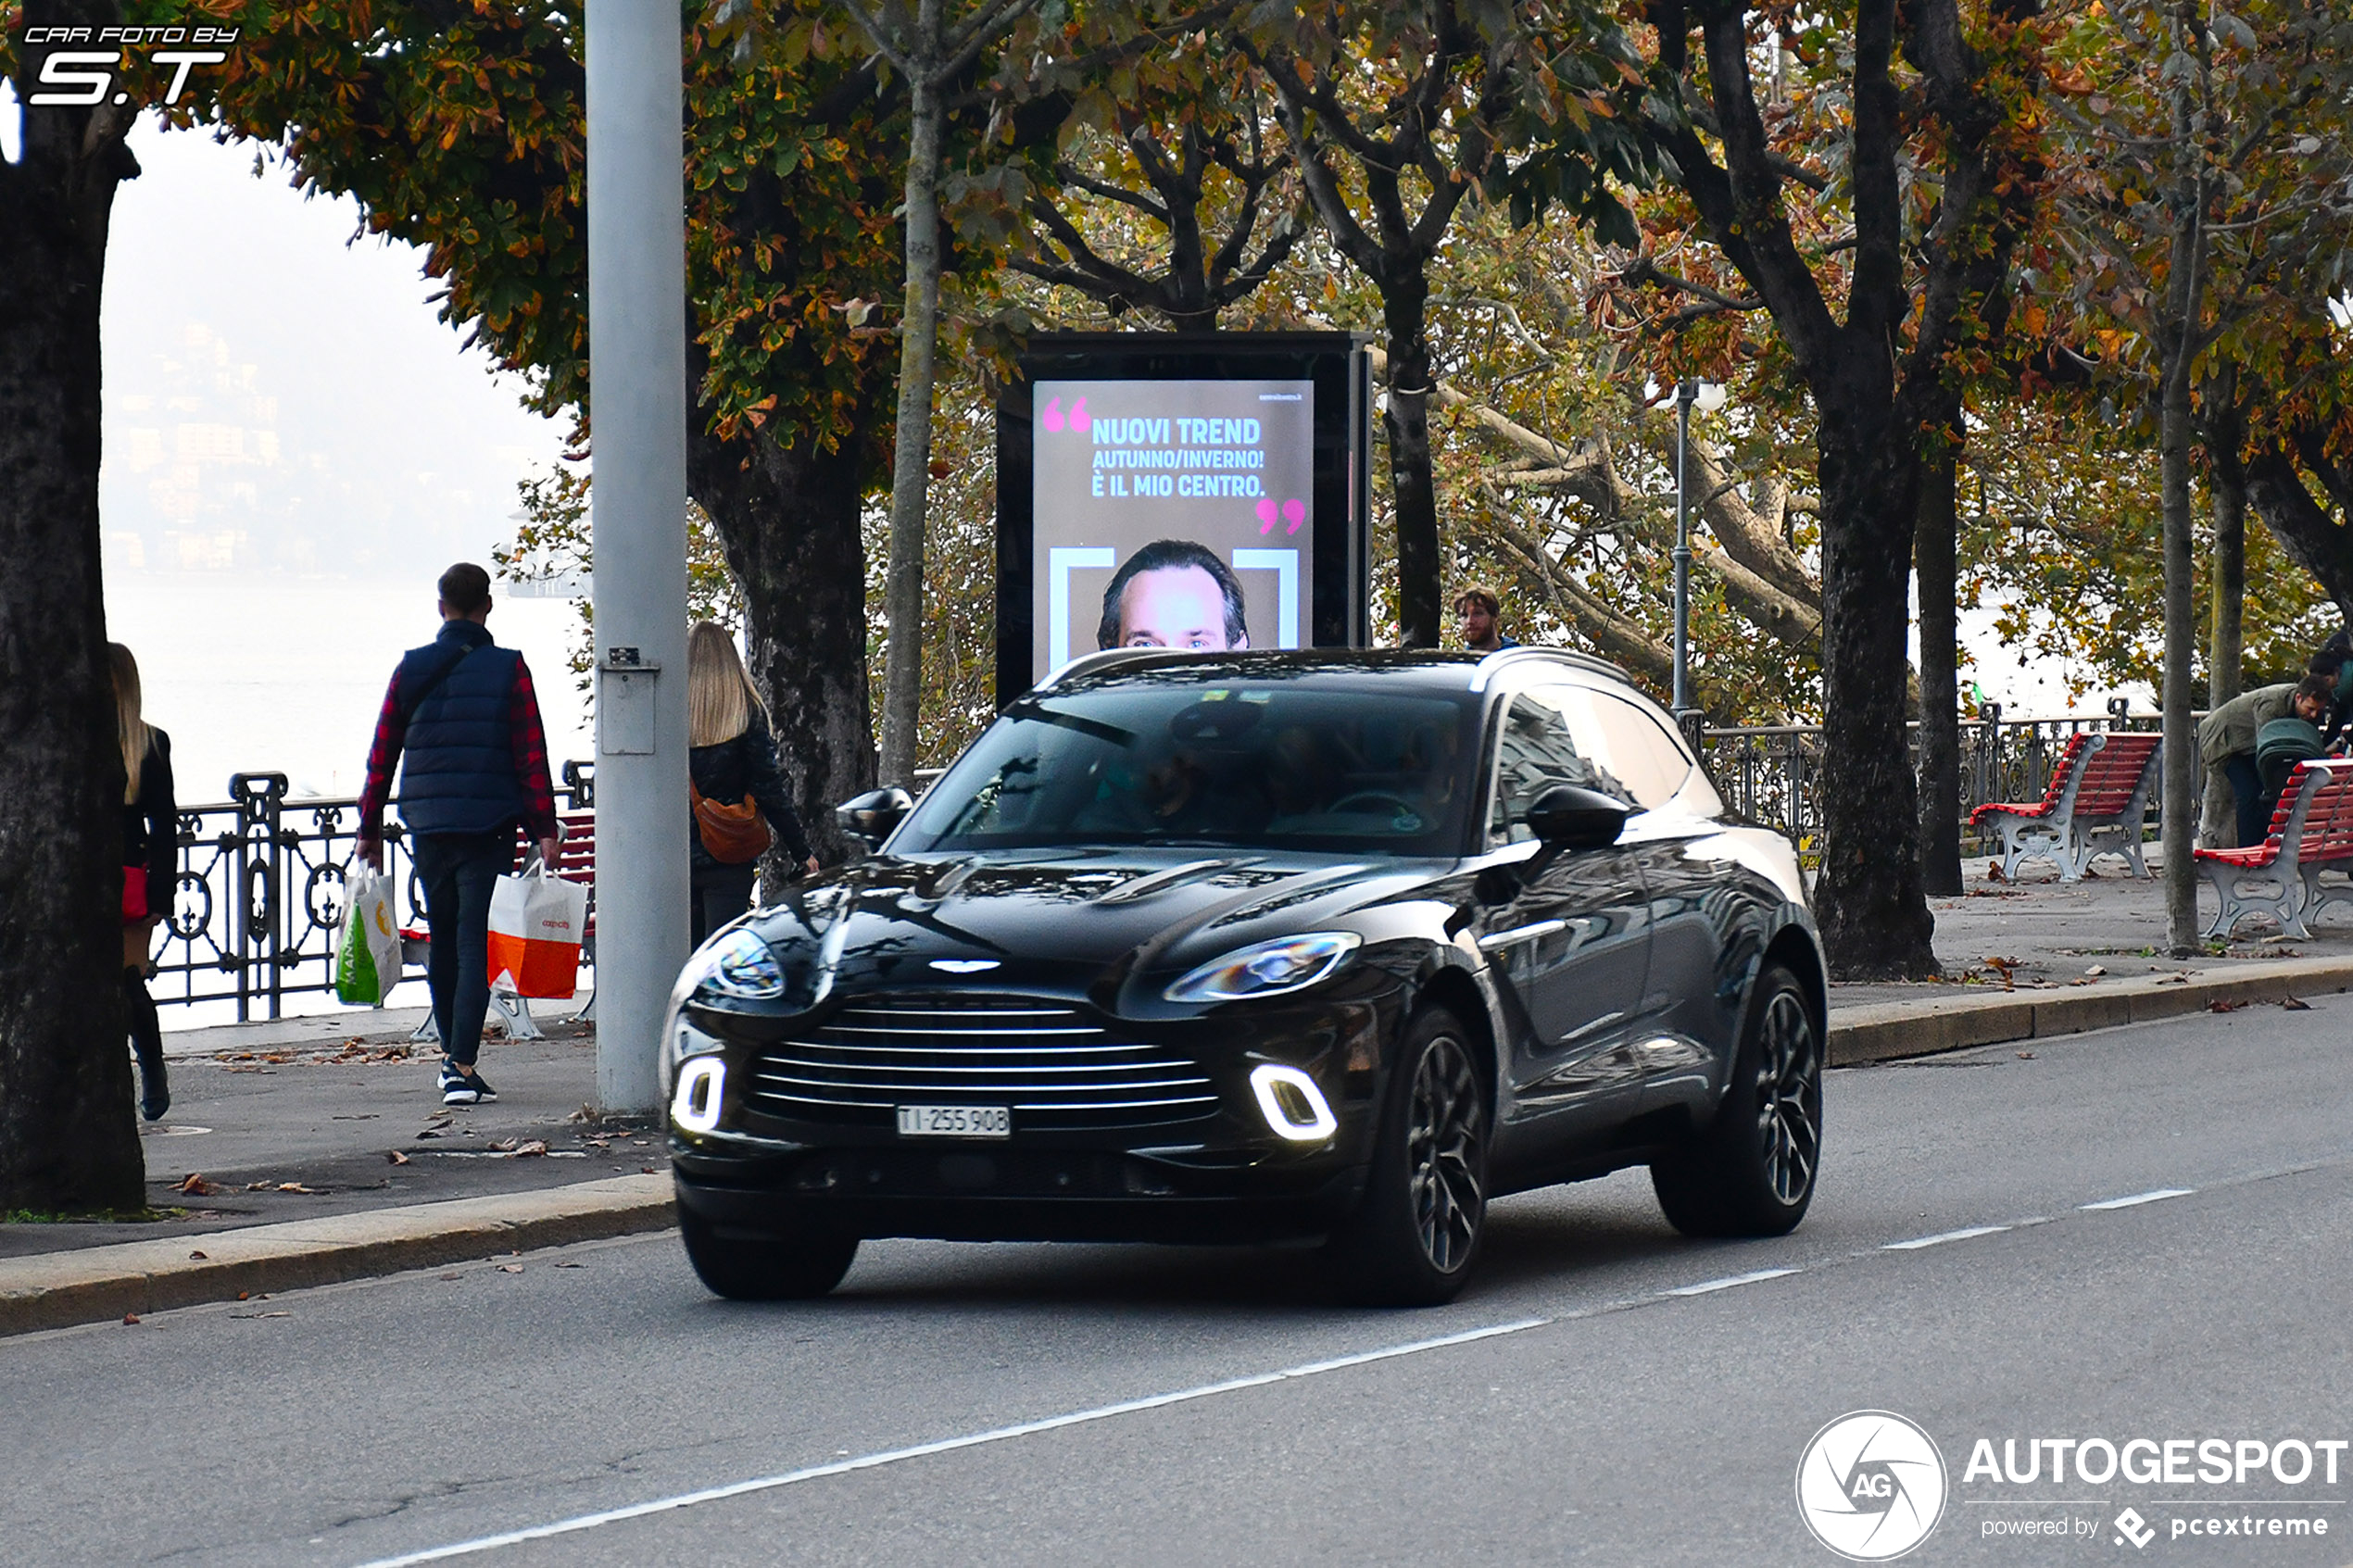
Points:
x=461, y=1085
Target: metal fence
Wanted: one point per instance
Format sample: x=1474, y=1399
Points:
x=1772, y=773
x=258, y=902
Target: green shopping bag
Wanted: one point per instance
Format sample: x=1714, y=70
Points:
x=368, y=956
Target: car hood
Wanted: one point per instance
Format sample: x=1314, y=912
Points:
x=1087, y=920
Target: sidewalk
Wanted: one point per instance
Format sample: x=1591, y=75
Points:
x=301, y=1119
x=322, y=1142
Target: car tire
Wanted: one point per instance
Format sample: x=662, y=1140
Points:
x=1751, y=1172
x=1415, y=1235
x=764, y=1268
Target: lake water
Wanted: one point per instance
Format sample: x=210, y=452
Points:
x=284, y=674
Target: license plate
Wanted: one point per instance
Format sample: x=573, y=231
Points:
x=955, y=1121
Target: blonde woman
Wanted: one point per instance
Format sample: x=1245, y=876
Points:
x=150, y=869
x=736, y=791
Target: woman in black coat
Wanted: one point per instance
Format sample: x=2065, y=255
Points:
x=151, y=868
x=737, y=804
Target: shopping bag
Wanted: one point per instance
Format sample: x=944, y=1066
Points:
x=368, y=956
x=535, y=926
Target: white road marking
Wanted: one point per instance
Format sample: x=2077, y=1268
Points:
x=1941, y=1238
x=947, y=1445
x=2139, y=1198
x=1704, y=1286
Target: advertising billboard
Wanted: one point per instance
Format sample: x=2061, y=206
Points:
x=1180, y=492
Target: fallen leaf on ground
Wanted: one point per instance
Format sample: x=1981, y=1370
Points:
x=295, y=1186
x=256, y=1187
x=396, y=1157
x=2292, y=1005
x=195, y=1185
x=524, y=1151
x=2223, y=1004
x=510, y=1268
x=449, y=1276
x=430, y=1133
x=571, y=1265
x=2096, y=969
x=645, y=1170
x=504, y=1145
x=130, y=1317
x=2026, y=1056
x=2173, y=980
x=194, y=1257
x=1994, y=872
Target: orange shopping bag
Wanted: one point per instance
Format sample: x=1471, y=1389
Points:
x=535, y=921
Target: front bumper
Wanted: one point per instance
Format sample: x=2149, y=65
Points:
x=1209, y=1169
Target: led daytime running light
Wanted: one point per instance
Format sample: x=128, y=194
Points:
x=695, y=1107
x=1270, y=1081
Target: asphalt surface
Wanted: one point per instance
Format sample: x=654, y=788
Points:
x=1606, y=1412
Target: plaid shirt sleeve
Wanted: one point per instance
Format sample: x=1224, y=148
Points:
x=392, y=731
x=530, y=741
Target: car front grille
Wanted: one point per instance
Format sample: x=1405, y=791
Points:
x=1055, y=1069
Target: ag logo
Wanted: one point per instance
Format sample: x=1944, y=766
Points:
x=1870, y=1485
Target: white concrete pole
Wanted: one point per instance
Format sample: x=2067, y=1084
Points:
x=637, y=389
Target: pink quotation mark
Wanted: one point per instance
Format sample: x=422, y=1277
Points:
x=1077, y=419
x=1054, y=419
x=1292, y=512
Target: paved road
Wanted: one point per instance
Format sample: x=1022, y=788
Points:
x=1609, y=1412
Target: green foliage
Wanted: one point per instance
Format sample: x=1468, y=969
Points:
x=553, y=541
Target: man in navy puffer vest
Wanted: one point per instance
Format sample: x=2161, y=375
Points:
x=465, y=712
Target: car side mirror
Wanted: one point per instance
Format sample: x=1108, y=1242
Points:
x=1570, y=817
x=871, y=816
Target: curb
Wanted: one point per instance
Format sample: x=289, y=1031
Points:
x=1893, y=1031
x=59, y=1289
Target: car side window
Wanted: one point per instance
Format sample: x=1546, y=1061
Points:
x=1539, y=748
x=1627, y=741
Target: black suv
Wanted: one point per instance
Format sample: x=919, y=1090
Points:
x=1256, y=947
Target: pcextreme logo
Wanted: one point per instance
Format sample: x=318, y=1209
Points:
x=1870, y=1485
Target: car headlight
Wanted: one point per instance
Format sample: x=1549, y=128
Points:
x=1266, y=969
x=737, y=964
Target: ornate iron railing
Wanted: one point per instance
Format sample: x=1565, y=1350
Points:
x=258, y=902
x=1772, y=773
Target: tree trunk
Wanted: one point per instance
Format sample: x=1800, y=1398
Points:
x=2179, y=822
x=1940, y=686
x=2318, y=542
x=2177, y=328
x=1404, y=298
x=2226, y=652
x=910, y=465
x=1874, y=915
x=68, y=1141
x=791, y=517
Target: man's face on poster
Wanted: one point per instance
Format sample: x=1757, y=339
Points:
x=1175, y=606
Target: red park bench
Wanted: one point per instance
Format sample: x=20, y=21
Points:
x=2098, y=795
x=575, y=861
x=2311, y=832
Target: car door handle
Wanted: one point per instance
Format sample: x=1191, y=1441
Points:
x=1518, y=933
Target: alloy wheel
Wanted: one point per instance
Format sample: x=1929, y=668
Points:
x=1789, y=1096
x=1445, y=1152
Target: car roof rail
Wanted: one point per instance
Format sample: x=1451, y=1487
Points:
x=1503, y=658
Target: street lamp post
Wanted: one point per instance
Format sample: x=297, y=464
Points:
x=1686, y=393
x=638, y=344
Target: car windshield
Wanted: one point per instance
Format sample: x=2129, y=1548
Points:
x=1269, y=764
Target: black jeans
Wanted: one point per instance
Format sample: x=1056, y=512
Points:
x=718, y=894
x=2255, y=811
x=458, y=871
